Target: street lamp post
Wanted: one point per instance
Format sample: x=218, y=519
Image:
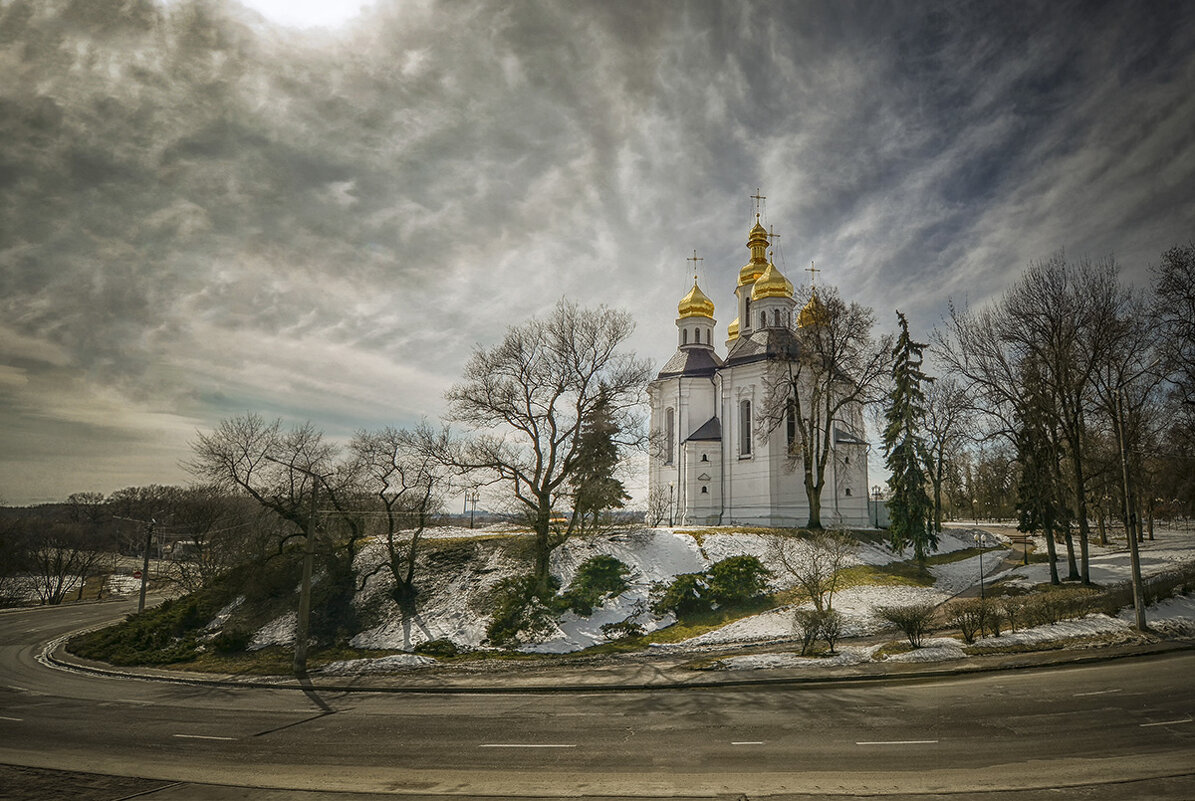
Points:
x=979, y=543
x=670, y=504
x=875, y=494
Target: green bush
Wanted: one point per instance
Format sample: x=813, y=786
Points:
x=231, y=641
x=598, y=578
x=440, y=648
x=736, y=579
x=684, y=597
x=622, y=630
x=519, y=614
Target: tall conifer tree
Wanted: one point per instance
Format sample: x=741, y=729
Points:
x=910, y=508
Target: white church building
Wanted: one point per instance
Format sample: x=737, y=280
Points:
x=714, y=464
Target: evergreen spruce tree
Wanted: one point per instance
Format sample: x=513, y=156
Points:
x=594, y=486
x=910, y=508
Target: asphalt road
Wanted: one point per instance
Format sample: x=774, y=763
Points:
x=1121, y=729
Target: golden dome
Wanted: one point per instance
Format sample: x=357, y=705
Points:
x=732, y=330
x=757, y=242
x=695, y=304
x=772, y=284
x=814, y=314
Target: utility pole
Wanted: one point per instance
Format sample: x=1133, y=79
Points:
x=303, y=624
x=149, y=543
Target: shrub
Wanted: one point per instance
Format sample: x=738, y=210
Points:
x=442, y=647
x=684, y=597
x=806, y=625
x=598, y=578
x=622, y=630
x=913, y=620
x=974, y=616
x=231, y=641
x=736, y=579
x=1053, y=606
x=519, y=614
x=1013, y=607
x=831, y=627
x=812, y=624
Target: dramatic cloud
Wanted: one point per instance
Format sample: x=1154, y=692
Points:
x=204, y=212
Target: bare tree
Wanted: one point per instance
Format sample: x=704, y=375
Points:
x=526, y=400
x=837, y=369
x=297, y=476
x=400, y=468
x=1174, y=312
x=1059, y=315
x=815, y=563
x=947, y=427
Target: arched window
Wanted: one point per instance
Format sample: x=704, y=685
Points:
x=684, y=336
x=847, y=491
x=747, y=312
x=697, y=335
x=704, y=490
x=763, y=319
x=776, y=317
x=669, y=434
x=745, y=428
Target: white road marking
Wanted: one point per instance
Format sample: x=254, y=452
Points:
x=1166, y=723
x=527, y=745
x=201, y=737
x=14, y=720
x=747, y=742
x=1097, y=692
x=895, y=742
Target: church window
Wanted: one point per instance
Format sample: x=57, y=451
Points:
x=705, y=457
x=705, y=490
x=763, y=319
x=776, y=317
x=697, y=335
x=684, y=336
x=847, y=491
x=747, y=312
x=669, y=434
x=745, y=428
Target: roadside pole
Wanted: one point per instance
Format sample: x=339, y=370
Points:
x=302, y=625
x=149, y=541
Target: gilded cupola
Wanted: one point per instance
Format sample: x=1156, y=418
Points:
x=757, y=243
x=732, y=330
x=771, y=284
x=815, y=313
x=695, y=304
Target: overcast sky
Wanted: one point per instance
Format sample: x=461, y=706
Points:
x=314, y=210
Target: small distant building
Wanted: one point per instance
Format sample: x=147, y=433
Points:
x=714, y=464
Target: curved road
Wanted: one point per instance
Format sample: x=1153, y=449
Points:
x=1116, y=725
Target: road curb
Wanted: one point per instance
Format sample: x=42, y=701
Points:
x=54, y=654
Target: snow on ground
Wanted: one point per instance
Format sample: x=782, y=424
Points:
x=1111, y=564
x=451, y=610
x=846, y=655
x=117, y=584
x=383, y=664
x=933, y=649
x=1088, y=626
x=1174, y=616
x=279, y=631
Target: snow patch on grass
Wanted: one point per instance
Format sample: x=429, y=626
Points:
x=382, y=664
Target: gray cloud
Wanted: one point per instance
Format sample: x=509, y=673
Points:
x=202, y=214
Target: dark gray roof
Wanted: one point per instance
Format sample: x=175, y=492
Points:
x=847, y=437
x=765, y=344
x=692, y=361
x=711, y=430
